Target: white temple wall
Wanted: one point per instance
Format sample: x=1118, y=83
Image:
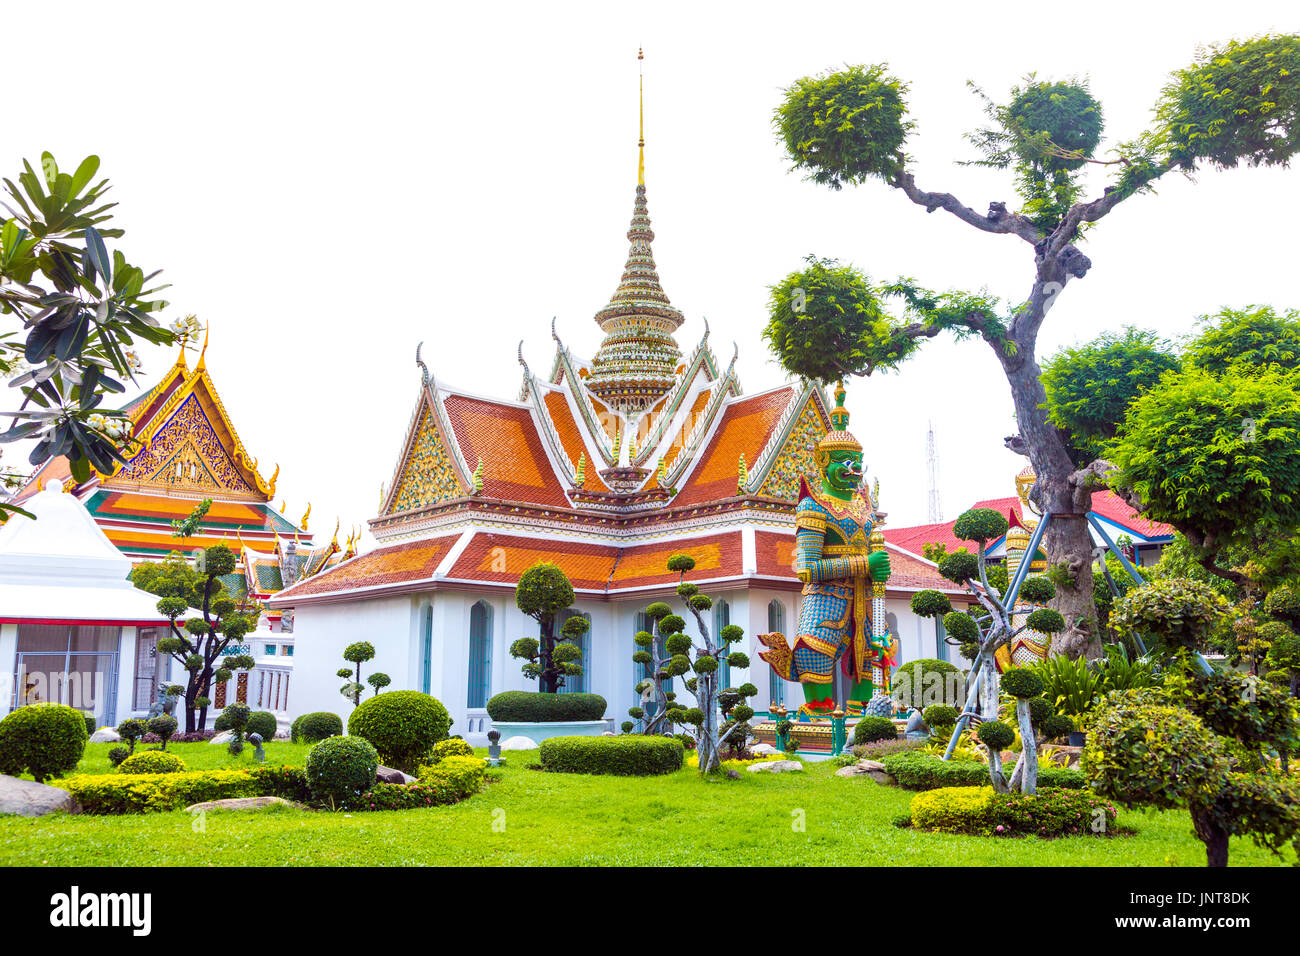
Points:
x=8, y=661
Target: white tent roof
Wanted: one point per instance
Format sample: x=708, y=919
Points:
x=61, y=567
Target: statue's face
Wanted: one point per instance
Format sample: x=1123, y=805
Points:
x=844, y=471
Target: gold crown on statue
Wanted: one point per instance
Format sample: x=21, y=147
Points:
x=839, y=438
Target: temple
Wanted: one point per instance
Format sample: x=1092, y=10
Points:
x=605, y=466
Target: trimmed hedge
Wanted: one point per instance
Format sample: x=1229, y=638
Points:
x=535, y=707
x=262, y=722
x=315, y=727
x=402, y=725
x=918, y=771
x=920, y=683
x=45, y=740
x=152, y=761
x=628, y=755
x=453, y=747
x=340, y=768
x=455, y=776
x=110, y=793
x=978, y=810
x=871, y=729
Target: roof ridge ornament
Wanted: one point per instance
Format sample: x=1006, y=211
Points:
x=424, y=369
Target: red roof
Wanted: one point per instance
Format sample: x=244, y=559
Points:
x=398, y=564
x=743, y=429
x=515, y=466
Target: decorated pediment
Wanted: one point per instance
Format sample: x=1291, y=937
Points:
x=427, y=473
x=187, y=453
x=797, y=456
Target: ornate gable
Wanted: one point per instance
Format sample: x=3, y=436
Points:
x=428, y=473
x=798, y=454
x=186, y=454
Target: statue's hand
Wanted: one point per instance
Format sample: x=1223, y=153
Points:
x=878, y=562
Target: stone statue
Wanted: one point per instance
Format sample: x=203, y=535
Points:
x=840, y=558
x=165, y=703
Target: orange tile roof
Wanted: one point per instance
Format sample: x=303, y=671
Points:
x=399, y=564
x=557, y=406
x=745, y=428
x=515, y=466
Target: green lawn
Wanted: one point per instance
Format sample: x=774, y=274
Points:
x=530, y=817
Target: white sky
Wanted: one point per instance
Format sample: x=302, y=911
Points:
x=329, y=184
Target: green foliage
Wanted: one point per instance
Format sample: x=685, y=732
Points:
x=1022, y=683
x=871, y=729
x=1057, y=725
x=930, y=603
x=1244, y=708
x=543, y=591
x=996, y=735
x=402, y=725
x=940, y=715
x=912, y=770
x=846, y=126
x=634, y=755
x=952, y=809
x=262, y=722
x=131, y=730
x=116, y=793
x=1071, y=686
x=1144, y=753
x=1238, y=102
x=826, y=322
x=1051, y=812
x=681, y=563
x=1090, y=387
x=961, y=626
x=1180, y=612
x=1284, y=602
x=234, y=718
x=359, y=652
x=960, y=566
x=78, y=308
x=528, y=707
x=1254, y=337
x=1037, y=590
x=45, y=740
x=455, y=775
x=980, y=525
x=342, y=767
x=452, y=747
x=378, y=680
x=1045, y=620
x=117, y=754
x=926, y=681
x=152, y=761
x=1216, y=455
x=316, y=726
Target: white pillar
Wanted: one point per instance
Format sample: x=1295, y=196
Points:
x=8, y=661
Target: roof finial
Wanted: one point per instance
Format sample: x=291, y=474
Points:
x=201, y=364
x=424, y=369
x=640, y=169
x=305, y=515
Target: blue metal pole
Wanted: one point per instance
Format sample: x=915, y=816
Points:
x=1022, y=572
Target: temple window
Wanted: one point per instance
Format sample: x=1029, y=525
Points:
x=579, y=684
x=775, y=624
x=480, y=654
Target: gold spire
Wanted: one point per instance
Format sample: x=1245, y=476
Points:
x=202, y=362
x=640, y=169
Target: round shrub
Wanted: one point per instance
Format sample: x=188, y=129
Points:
x=163, y=726
x=1037, y=590
x=632, y=755
x=316, y=726
x=962, y=626
x=117, y=754
x=403, y=726
x=980, y=525
x=1181, y=611
x=940, y=715
x=870, y=729
x=926, y=681
x=341, y=767
x=456, y=776
x=454, y=747
x=263, y=723
x=996, y=735
x=960, y=566
x=1046, y=621
x=1022, y=682
x=1040, y=711
x=1057, y=725
x=45, y=740
x=235, y=717
x=930, y=603
x=90, y=724
x=529, y=707
x=152, y=761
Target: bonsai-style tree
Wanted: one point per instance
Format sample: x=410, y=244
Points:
x=357, y=653
x=1238, y=102
x=542, y=593
x=72, y=312
x=720, y=718
x=199, y=642
x=1203, y=741
x=163, y=727
x=378, y=681
x=131, y=730
x=652, y=654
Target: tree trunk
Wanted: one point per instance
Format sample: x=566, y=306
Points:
x=1066, y=539
x=996, y=775
x=545, y=646
x=1029, y=747
x=1213, y=836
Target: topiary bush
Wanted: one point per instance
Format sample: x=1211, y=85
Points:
x=920, y=683
x=45, y=740
x=234, y=718
x=996, y=735
x=402, y=725
x=529, y=707
x=1023, y=683
x=870, y=730
x=263, y=723
x=913, y=770
x=1051, y=812
x=315, y=727
x=953, y=809
x=633, y=755
x=453, y=747
x=163, y=727
x=117, y=754
x=455, y=776
x=339, y=768
x=152, y=761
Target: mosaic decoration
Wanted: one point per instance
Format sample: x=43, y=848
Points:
x=429, y=474
x=187, y=454
x=840, y=558
x=797, y=458
x=1028, y=647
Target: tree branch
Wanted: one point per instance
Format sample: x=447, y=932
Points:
x=998, y=220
